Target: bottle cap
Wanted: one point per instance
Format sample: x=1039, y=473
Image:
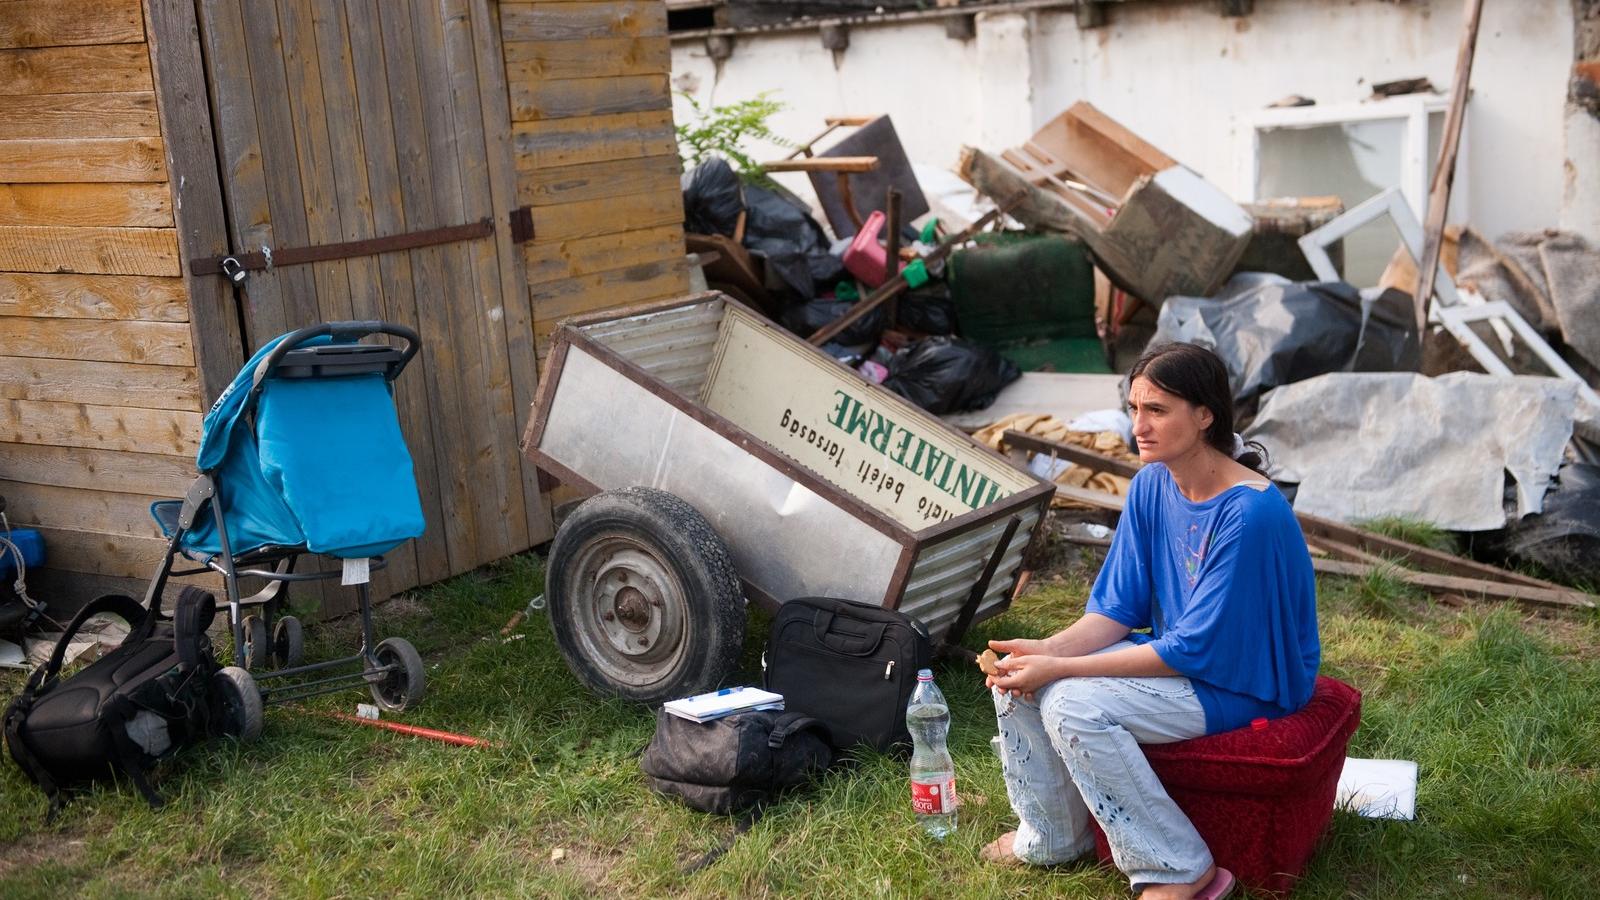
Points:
x=924, y=674
x=1258, y=724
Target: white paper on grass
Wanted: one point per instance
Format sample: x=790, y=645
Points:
x=1363, y=445
x=1378, y=788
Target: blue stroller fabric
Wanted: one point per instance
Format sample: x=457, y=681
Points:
x=325, y=466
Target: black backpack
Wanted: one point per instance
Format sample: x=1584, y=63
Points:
x=735, y=763
x=849, y=664
x=157, y=692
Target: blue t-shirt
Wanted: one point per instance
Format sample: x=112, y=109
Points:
x=1227, y=589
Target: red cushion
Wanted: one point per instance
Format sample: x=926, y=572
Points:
x=1262, y=799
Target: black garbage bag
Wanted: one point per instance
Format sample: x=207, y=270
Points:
x=805, y=319
x=929, y=309
x=1563, y=540
x=780, y=228
x=713, y=197
x=946, y=375
x=1271, y=331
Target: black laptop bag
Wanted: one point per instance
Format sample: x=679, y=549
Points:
x=849, y=664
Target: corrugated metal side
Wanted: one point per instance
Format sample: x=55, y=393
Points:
x=943, y=573
x=674, y=345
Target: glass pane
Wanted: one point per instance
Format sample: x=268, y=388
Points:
x=1351, y=160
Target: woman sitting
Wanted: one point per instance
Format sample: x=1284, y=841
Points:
x=1209, y=557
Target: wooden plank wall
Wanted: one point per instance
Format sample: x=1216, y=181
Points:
x=596, y=154
x=100, y=400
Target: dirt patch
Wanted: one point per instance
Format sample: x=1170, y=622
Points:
x=36, y=849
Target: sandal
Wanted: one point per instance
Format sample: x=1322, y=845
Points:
x=999, y=851
x=1221, y=886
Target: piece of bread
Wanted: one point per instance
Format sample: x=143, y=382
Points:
x=986, y=662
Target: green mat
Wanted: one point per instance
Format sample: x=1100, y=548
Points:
x=1030, y=296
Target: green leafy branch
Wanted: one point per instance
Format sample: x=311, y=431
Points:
x=723, y=131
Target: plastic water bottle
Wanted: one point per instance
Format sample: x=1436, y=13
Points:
x=933, y=773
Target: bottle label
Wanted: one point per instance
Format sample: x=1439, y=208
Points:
x=934, y=797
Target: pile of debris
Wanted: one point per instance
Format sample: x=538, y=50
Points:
x=1473, y=411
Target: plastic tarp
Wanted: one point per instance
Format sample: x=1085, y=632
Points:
x=1367, y=445
x=1271, y=331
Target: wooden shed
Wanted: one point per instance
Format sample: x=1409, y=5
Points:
x=474, y=169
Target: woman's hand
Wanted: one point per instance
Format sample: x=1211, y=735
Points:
x=1025, y=675
x=1020, y=647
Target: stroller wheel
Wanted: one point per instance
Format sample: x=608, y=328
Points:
x=402, y=687
x=256, y=645
x=288, y=642
x=240, y=702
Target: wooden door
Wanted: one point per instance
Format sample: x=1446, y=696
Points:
x=344, y=120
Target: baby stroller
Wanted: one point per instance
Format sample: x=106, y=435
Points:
x=302, y=454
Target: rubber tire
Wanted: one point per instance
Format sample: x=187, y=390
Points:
x=240, y=703
x=712, y=609
x=257, y=649
x=288, y=642
x=400, y=690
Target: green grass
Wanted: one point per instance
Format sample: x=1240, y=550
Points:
x=1497, y=709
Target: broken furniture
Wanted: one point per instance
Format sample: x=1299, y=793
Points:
x=1030, y=296
x=1279, y=224
x=1154, y=226
x=848, y=188
x=811, y=480
x=1455, y=311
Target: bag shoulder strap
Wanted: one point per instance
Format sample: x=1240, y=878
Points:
x=791, y=723
x=118, y=604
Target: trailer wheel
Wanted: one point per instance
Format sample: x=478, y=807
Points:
x=643, y=597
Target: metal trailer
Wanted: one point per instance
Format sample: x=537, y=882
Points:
x=809, y=479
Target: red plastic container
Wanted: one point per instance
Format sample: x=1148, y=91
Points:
x=865, y=258
x=1262, y=797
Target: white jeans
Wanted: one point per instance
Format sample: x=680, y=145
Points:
x=1076, y=750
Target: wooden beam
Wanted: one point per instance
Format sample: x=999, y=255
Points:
x=155, y=343
x=147, y=205
x=75, y=70
x=124, y=297
x=45, y=116
x=55, y=23
x=534, y=100
x=592, y=218
x=850, y=164
x=149, y=474
x=546, y=262
x=100, y=383
x=1070, y=452
x=1097, y=499
x=106, y=251
x=586, y=139
x=1453, y=584
x=598, y=181
x=635, y=284
x=191, y=158
x=595, y=58
x=1444, y=171
x=82, y=159
x=1411, y=554
x=582, y=21
x=100, y=427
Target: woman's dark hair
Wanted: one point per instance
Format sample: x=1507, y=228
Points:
x=1200, y=377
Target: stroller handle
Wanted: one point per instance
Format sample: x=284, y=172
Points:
x=353, y=331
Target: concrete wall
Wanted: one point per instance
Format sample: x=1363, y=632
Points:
x=1186, y=79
